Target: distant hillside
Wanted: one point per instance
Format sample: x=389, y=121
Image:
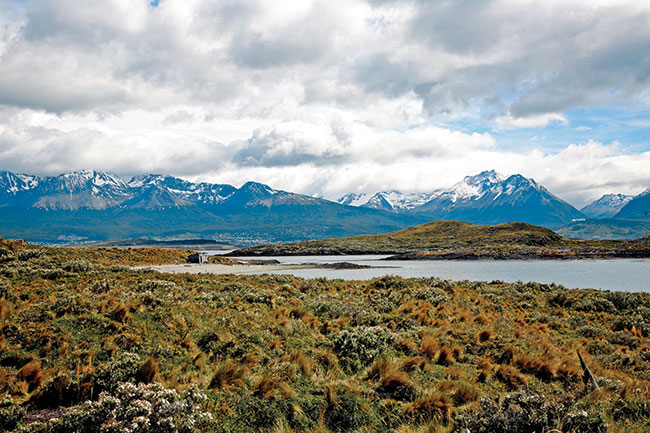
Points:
x=450, y=239
x=97, y=206
x=607, y=228
x=607, y=206
x=637, y=209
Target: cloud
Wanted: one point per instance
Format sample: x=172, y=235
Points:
x=510, y=122
x=293, y=143
x=53, y=151
x=323, y=97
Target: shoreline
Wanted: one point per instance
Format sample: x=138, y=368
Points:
x=241, y=269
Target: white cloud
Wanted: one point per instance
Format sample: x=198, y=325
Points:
x=318, y=96
x=536, y=121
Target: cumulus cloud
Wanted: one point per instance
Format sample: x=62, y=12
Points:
x=53, y=151
x=523, y=57
x=322, y=97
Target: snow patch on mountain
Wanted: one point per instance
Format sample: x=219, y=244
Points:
x=353, y=199
x=608, y=205
x=476, y=187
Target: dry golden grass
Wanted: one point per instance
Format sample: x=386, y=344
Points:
x=429, y=347
x=273, y=385
x=147, y=371
x=445, y=356
x=228, y=374
x=431, y=406
x=484, y=335
x=32, y=374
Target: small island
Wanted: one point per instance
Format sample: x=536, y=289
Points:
x=456, y=240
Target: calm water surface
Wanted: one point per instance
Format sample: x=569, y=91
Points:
x=632, y=275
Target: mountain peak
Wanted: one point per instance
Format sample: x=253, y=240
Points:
x=486, y=176
x=147, y=179
x=257, y=188
x=354, y=199
x=76, y=179
x=607, y=206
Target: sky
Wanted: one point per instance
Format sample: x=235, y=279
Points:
x=326, y=97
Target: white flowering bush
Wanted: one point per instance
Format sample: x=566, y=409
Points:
x=361, y=345
x=135, y=409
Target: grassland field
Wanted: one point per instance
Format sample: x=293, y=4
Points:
x=88, y=344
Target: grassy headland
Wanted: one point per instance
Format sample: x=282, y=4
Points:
x=460, y=240
x=101, y=347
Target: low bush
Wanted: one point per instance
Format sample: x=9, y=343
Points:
x=520, y=412
x=358, y=347
x=10, y=414
x=347, y=412
x=581, y=421
x=432, y=295
x=131, y=408
x=78, y=265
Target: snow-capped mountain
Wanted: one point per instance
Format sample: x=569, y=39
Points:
x=12, y=184
x=488, y=197
x=392, y=201
x=473, y=188
x=638, y=208
x=607, y=206
x=353, y=199
x=100, y=205
x=204, y=193
x=97, y=205
x=154, y=196
x=79, y=189
x=398, y=202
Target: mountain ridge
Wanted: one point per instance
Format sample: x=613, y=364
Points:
x=486, y=198
x=88, y=204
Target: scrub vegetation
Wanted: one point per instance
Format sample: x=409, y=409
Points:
x=89, y=345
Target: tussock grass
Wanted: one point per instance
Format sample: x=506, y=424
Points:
x=278, y=353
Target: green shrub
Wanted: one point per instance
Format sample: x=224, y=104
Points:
x=581, y=421
x=590, y=331
x=122, y=368
x=358, y=347
x=142, y=408
x=25, y=255
x=389, y=282
x=347, y=413
x=10, y=414
x=438, y=283
x=623, y=338
x=631, y=408
x=78, y=265
x=432, y=295
x=560, y=298
x=520, y=412
x=595, y=303
x=6, y=255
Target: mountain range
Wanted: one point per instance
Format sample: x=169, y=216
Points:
x=94, y=205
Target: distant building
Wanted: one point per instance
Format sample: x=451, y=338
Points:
x=199, y=258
